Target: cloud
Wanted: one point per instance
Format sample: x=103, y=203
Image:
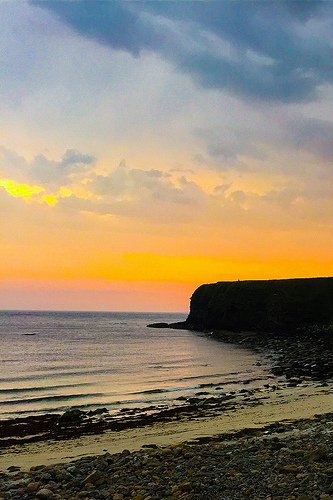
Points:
x=271, y=51
x=137, y=104
x=312, y=135
x=182, y=170
x=149, y=194
x=52, y=173
x=74, y=158
x=59, y=172
x=27, y=192
x=124, y=191
x=227, y=145
x=233, y=147
x=123, y=180
x=154, y=196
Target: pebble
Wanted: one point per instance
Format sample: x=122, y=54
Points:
x=280, y=462
x=33, y=486
x=44, y=494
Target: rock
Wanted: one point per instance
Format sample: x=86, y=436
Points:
x=98, y=411
x=166, y=451
x=158, y=325
x=52, y=485
x=46, y=477
x=37, y=468
x=13, y=468
x=44, y=494
x=186, y=486
x=95, y=477
x=179, y=325
x=277, y=370
x=17, y=483
x=178, y=450
x=33, y=486
x=317, y=454
x=72, y=415
x=241, y=465
x=289, y=468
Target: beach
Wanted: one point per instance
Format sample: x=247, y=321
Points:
x=270, y=406
x=290, y=459
x=166, y=236
x=262, y=433
x=276, y=444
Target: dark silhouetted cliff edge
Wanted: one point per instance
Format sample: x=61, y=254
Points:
x=262, y=305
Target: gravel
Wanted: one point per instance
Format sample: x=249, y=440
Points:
x=281, y=461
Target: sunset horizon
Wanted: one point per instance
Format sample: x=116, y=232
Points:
x=103, y=298
x=137, y=164
x=166, y=249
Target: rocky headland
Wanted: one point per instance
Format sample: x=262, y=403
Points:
x=281, y=306
x=262, y=305
x=289, y=320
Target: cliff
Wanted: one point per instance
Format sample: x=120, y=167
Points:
x=265, y=305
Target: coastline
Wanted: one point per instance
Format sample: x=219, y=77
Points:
x=293, y=410
x=285, y=404
x=251, y=453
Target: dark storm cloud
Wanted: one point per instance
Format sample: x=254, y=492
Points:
x=275, y=51
x=112, y=23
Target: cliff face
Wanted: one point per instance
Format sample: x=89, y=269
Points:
x=272, y=305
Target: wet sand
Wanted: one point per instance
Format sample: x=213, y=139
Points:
x=284, y=404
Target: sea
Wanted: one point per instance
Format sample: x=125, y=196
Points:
x=53, y=361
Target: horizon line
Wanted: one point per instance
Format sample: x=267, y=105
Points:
x=92, y=311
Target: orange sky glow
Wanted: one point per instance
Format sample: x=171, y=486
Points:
x=126, y=187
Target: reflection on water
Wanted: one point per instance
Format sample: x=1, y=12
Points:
x=108, y=359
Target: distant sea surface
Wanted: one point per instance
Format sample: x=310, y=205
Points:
x=51, y=361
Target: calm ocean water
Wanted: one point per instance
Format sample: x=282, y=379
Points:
x=50, y=361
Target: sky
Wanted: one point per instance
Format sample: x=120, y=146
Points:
x=149, y=147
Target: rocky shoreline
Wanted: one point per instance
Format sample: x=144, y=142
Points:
x=210, y=399
x=306, y=353
x=284, y=460
x=302, y=358
x=289, y=320
x=281, y=461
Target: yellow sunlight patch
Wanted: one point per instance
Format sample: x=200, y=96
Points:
x=20, y=190
x=50, y=199
x=27, y=192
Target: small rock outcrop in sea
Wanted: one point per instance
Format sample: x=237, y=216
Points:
x=158, y=325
